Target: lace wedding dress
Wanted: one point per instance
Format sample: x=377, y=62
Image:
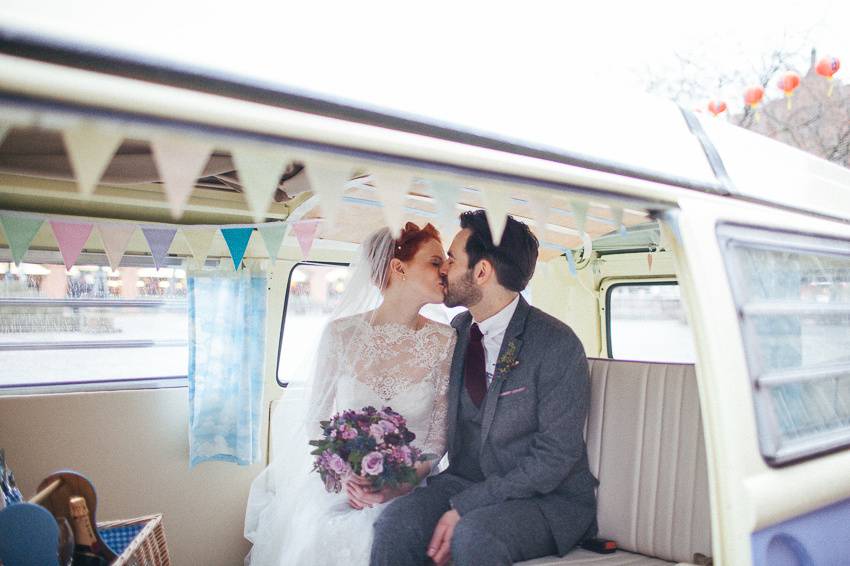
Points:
x=290, y=518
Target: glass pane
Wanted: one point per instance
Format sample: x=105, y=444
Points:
x=314, y=291
x=806, y=409
x=647, y=323
x=91, y=323
x=794, y=294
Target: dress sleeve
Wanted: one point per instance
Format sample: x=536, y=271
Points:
x=435, y=441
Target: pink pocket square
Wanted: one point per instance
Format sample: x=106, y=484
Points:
x=512, y=391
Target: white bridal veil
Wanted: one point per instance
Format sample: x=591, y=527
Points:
x=271, y=517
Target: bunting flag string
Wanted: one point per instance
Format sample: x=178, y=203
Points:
x=259, y=169
x=579, y=215
x=445, y=194
x=200, y=242
x=20, y=232
x=237, y=242
x=392, y=187
x=617, y=215
x=71, y=235
x=90, y=149
x=180, y=162
x=541, y=205
x=116, y=238
x=273, y=238
x=328, y=181
x=159, y=240
x=571, y=262
x=305, y=233
x=72, y=238
x=496, y=199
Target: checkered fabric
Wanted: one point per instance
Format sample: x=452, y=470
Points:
x=119, y=538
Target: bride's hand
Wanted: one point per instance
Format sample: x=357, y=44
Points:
x=362, y=494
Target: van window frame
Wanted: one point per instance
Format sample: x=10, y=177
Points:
x=609, y=284
x=730, y=233
x=93, y=386
x=285, y=384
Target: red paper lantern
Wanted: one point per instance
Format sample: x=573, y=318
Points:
x=753, y=96
x=716, y=107
x=827, y=67
x=788, y=83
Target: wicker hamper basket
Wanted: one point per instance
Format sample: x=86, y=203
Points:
x=146, y=545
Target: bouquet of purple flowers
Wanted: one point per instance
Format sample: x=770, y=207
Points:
x=370, y=443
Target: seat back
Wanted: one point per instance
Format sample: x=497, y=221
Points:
x=645, y=444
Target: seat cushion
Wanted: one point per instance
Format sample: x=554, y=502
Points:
x=581, y=557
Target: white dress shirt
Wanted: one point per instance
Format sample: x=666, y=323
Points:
x=493, y=330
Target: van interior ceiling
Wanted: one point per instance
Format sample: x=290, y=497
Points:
x=133, y=169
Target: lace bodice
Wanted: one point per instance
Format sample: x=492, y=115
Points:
x=391, y=365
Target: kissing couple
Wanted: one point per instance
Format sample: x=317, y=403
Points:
x=504, y=392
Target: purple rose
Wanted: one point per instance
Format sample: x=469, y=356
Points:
x=338, y=466
x=373, y=463
x=347, y=432
x=387, y=426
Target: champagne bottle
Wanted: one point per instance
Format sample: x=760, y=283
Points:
x=86, y=547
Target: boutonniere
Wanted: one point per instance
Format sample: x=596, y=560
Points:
x=507, y=361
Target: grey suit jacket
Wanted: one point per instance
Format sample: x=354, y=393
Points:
x=532, y=444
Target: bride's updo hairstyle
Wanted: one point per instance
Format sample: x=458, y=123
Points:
x=381, y=248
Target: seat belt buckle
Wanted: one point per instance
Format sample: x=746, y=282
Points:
x=599, y=545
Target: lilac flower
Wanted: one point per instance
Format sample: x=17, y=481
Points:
x=387, y=426
x=347, y=432
x=373, y=463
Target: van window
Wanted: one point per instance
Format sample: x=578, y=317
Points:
x=91, y=324
x=646, y=322
x=793, y=297
x=313, y=291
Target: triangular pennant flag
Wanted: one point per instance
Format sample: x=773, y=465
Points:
x=392, y=187
x=180, y=162
x=200, y=241
x=617, y=215
x=115, y=239
x=90, y=148
x=446, y=196
x=259, y=169
x=649, y=261
x=571, y=262
x=579, y=215
x=19, y=233
x=159, y=240
x=540, y=205
x=496, y=199
x=328, y=180
x=237, y=242
x=71, y=237
x=273, y=235
x=305, y=233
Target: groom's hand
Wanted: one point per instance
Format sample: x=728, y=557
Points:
x=439, y=549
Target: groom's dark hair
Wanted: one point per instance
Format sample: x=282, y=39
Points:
x=515, y=256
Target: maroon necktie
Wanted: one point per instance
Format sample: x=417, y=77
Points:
x=474, y=372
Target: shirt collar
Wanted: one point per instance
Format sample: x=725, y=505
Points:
x=498, y=323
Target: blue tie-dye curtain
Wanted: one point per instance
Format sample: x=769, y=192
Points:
x=227, y=314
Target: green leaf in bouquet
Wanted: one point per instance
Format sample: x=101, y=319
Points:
x=317, y=452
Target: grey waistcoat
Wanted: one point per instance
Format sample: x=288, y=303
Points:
x=467, y=462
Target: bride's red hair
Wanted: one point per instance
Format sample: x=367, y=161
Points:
x=411, y=239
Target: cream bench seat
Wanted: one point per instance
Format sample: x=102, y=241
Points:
x=645, y=444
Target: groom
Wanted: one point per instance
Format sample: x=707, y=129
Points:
x=518, y=484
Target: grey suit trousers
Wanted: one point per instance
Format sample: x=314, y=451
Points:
x=494, y=535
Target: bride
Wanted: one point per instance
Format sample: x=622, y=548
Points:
x=377, y=350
